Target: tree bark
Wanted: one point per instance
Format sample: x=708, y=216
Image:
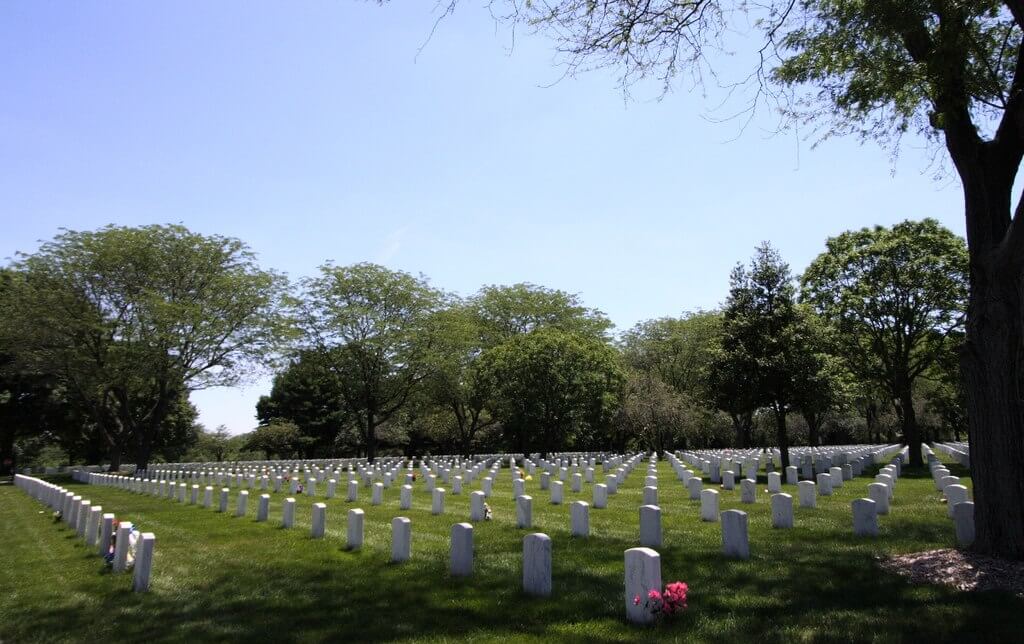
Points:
x=371, y=437
x=993, y=354
x=992, y=358
x=781, y=435
x=908, y=420
x=115, y=458
x=7, y=464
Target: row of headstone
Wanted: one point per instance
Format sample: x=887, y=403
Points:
x=95, y=527
x=959, y=507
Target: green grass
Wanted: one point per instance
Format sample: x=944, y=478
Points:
x=217, y=577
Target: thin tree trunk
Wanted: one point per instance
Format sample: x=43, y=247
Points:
x=908, y=418
x=782, y=436
x=371, y=437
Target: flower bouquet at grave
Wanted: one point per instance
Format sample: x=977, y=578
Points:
x=488, y=515
x=665, y=603
x=133, y=540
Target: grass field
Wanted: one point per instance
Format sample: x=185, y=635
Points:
x=221, y=578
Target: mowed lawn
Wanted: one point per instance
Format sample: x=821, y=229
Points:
x=221, y=578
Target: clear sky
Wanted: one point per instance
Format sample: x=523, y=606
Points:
x=312, y=131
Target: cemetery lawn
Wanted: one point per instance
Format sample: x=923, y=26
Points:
x=221, y=578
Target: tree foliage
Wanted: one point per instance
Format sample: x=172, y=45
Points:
x=552, y=389
x=132, y=319
x=370, y=327
x=894, y=295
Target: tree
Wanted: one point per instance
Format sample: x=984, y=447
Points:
x=951, y=70
x=130, y=320
x=507, y=311
x=552, y=388
x=370, y=328
x=894, y=295
x=309, y=394
x=210, y=446
x=678, y=350
x=456, y=383
x=946, y=396
x=652, y=413
x=829, y=386
x=280, y=438
x=768, y=341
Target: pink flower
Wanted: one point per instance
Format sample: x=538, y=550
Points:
x=636, y=600
x=655, y=595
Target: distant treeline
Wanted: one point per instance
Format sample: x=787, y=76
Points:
x=104, y=334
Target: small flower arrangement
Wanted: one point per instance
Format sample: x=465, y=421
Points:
x=666, y=603
x=488, y=515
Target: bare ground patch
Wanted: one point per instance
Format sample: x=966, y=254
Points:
x=962, y=570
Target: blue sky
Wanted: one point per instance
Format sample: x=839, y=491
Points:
x=313, y=131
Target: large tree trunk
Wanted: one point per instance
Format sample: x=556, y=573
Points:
x=992, y=359
x=993, y=353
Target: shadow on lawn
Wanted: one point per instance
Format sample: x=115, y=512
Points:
x=807, y=589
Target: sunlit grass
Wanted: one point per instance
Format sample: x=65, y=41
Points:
x=218, y=577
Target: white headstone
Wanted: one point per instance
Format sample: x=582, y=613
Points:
x=824, y=484
x=782, y=511
x=92, y=525
x=288, y=513
x=556, y=492
x=121, y=546
x=791, y=475
x=356, y=520
x=319, y=523
x=695, y=486
x=650, y=526
x=524, y=511
x=735, y=542
x=774, y=482
x=143, y=562
x=808, y=498
x=836, y=477
x=83, y=515
x=476, y=506
x=748, y=491
x=401, y=539
x=462, y=550
x=879, y=493
x=106, y=532
x=865, y=519
x=600, y=496
x=650, y=495
x=963, y=522
x=643, y=574
x=263, y=509
x=709, y=505
x=537, y=565
x=438, y=501
x=579, y=512
x=955, y=494
x=728, y=480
